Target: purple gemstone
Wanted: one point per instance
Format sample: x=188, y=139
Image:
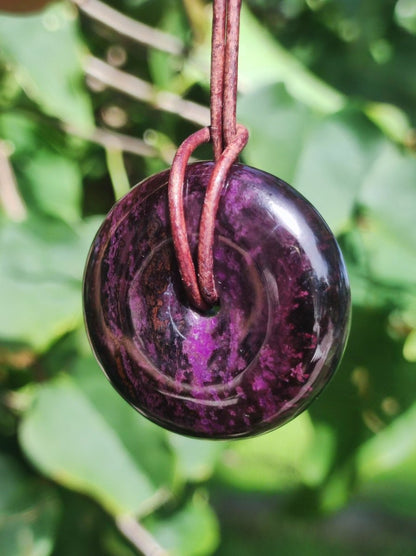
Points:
x=260, y=357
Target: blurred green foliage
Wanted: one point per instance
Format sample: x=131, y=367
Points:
x=328, y=90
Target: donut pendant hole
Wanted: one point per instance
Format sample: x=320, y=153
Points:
x=213, y=310
x=169, y=330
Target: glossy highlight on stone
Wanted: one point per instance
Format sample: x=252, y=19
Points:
x=248, y=365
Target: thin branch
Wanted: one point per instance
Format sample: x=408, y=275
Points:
x=130, y=28
x=9, y=193
x=141, y=90
x=139, y=536
x=112, y=140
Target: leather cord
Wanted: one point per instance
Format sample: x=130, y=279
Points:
x=228, y=139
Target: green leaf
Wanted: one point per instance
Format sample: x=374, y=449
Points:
x=392, y=452
x=387, y=465
x=46, y=52
x=368, y=252
x=392, y=121
x=334, y=158
x=196, y=459
x=372, y=387
x=263, y=61
x=20, y=131
x=55, y=185
x=381, y=250
x=165, y=67
x=278, y=127
x=390, y=260
x=190, y=531
x=319, y=455
x=145, y=442
x=50, y=181
x=277, y=460
x=42, y=264
x=325, y=158
x=409, y=348
x=389, y=193
x=405, y=14
x=69, y=441
x=29, y=512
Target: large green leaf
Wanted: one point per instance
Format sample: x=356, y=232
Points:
x=389, y=193
x=279, y=460
x=29, y=512
x=405, y=13
x=278, y=126
x=391, y=258
x=336, y=161
x=164, y=66
x=337, y=154
x=65, y=436
x=145, y=442
x=190, y=531
x=381, y=249
x=263, y=61
x=20, y=131
x=392, y=452
x=46, y=52
x=42, y=265
x=373, y=385
x=47, y=172
x=387, y=465
x=326, y=158
x=379, y=267
x=55, y=185
x=196, y=459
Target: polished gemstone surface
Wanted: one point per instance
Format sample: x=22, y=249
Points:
x=254, y=361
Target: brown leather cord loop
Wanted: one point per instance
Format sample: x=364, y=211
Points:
x=209, y=212
x=228, y=140
x=177, y=215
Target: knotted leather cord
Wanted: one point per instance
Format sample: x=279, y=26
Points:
x=228, y=140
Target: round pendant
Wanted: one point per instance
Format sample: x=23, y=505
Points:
x=273, y=342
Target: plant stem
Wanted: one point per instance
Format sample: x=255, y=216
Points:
x=141, y=90
x=139, y=536
x=113, y=141
x=129, y=27
x=117, y=171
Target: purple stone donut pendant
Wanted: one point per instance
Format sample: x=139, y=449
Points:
x=265, y=352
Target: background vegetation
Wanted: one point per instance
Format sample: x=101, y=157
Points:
x=328, y=90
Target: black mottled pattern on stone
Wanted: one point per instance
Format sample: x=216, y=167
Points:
x=277, y=336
